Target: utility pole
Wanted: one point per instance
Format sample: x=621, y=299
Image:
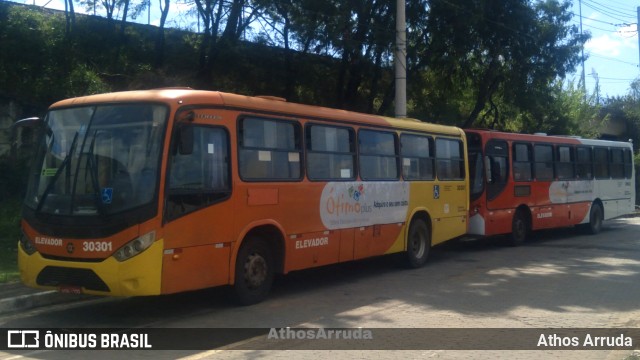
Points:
x=638, y=31
x=401, y=61
x=584, y=84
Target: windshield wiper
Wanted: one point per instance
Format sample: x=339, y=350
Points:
x=93, y=172
x=65, y=163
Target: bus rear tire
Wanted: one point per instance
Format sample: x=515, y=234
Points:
x=254, y=272
x=418, y=244
x=596, y=217
x=519, y=228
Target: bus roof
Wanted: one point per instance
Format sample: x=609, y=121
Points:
x=492, y=134
x=187, y=96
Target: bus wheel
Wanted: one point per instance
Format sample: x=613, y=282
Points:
x=418, y=244
x=254, y=272
x=595, y=219
x=519, y=228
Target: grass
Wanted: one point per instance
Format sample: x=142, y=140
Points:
x=9, y=234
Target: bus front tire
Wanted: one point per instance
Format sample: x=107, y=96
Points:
x=254, y=272
x=418, y=244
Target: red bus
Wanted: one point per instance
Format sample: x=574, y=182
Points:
x=520, y=183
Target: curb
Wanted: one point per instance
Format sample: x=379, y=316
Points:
x=36, y=299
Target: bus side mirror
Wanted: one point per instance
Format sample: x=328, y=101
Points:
x=32, y=122
x=28, y=122
x=185, y=140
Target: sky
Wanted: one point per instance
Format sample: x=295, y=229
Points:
x=612, y=53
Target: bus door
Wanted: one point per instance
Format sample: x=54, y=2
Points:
x=197, y=209
x=499, y=200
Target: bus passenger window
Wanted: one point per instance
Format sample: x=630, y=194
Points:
x=628, y=164
x=543, y=162
x=584, y=163
x=378, y=160
x=617, y=163
x=417, y=157
x=564, y=162
x=330, y=153
x=522, y=162
x=269, y=150
x=449, y=159
x=601, y=163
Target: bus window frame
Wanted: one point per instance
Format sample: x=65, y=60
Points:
x=560, y=165
x=616, y=169
x=298, y=132
x=550, y=163
x=459, y=160
x=580, y=164
x=396, y=154
x=597, y=149
x=515, y=161
x=353, y=145
x=173, y=144
x=628, y=163
x=432, y=158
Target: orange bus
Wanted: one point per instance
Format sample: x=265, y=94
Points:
x=169, y=190
x=520, y=183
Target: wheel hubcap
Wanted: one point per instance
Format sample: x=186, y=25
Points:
x=418, y=245
x=255, y=270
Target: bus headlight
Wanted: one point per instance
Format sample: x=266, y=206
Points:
x=135, y=247
x=26, y=244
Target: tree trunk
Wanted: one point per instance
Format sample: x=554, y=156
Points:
x=160, y=40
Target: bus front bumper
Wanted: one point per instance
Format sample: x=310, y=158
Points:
x=139, y=275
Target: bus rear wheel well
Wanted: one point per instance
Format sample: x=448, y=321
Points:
x=272, y=236
x=599, y=202
x=424, y=216
x=525, y=210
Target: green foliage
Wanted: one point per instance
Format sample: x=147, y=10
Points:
x=497, y=57
x=483, y=63
x=9, y=234
x=13, y=173
x=38, y=62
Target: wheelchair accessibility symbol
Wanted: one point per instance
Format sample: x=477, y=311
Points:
x=107, y=195
x=436, y=191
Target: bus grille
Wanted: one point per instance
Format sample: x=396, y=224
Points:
x=59, y=276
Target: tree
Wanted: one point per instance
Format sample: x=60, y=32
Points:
x=498, y=52
x=70, y=15
x=160, y=39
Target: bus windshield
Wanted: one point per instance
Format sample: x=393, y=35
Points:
x=97, y=160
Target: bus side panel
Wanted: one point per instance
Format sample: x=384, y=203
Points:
x=376, y=239
x=449, y=211
x=307, y=243
x=616, y=195
x=197, y=248
x=347, y=240
x=313, y=249
x=195, y=268
x=498, y=221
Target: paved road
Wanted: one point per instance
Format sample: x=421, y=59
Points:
x=562, y=279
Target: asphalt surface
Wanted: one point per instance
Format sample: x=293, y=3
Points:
x=14, y=296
